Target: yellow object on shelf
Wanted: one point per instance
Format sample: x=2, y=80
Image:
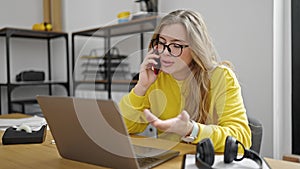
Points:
x=42, y=26
x=123, y=16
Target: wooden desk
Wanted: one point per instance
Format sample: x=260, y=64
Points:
x=45, y=155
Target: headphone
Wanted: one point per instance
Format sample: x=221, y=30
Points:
x=205, y=155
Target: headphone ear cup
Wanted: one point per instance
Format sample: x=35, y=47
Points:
x=231, y=149
x=206, y=152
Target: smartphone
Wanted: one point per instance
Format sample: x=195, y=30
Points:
x=156, y=68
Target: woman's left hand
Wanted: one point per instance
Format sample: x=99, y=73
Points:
x=180, y=124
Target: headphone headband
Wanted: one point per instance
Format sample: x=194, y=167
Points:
x=254, y=156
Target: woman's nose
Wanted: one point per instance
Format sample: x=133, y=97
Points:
x=167, y=52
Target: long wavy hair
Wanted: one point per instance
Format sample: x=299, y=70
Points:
x=196, y=87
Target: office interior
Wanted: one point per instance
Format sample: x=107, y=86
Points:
x=254, y=35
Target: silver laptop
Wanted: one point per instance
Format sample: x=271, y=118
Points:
x=93, y=131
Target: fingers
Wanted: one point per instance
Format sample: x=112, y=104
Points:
x=146, y=74
x=184, y=116
x=179, y=124
x=155, y=121
x=149, y=116
x=149, y=61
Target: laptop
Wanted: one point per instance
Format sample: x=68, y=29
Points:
x=93, y=131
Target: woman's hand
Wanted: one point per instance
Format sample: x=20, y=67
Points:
x=180, y=124
x=146, y=74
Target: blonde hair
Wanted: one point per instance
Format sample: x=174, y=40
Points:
x=196, y=87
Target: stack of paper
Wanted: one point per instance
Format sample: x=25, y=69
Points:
x=189, y=163
x=35, y=122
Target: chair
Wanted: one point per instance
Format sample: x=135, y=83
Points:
x=256, y=130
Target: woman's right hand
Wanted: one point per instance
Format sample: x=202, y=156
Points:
x=146, y=74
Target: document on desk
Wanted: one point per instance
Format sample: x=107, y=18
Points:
x=35, y=122
x=190, y=163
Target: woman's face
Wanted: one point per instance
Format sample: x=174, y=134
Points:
x=176, y=66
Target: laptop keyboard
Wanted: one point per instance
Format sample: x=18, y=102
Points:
x=148, y=157
x=142, y=151
x=146, y=161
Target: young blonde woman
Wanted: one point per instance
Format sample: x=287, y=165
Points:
x=193, y=95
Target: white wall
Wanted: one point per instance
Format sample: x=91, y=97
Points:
x=243, y=32
x=81, y=15
x=15, y=13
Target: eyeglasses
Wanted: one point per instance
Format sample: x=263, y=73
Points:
x=174, y=49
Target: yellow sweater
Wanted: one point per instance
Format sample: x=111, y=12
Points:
x=227, y=114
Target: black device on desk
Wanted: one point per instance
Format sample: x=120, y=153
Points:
x=23, y=135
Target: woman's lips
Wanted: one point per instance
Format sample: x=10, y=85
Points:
x=166, y=63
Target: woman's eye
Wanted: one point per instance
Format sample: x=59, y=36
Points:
x=176, y=45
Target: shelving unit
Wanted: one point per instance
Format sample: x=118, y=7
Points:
x=137, y=26
x=95, y=66
x=10, y=84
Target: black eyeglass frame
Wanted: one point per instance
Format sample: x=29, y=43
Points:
x=156, y=41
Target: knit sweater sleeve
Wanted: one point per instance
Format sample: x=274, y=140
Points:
x=131, y=106
x=228, y=106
